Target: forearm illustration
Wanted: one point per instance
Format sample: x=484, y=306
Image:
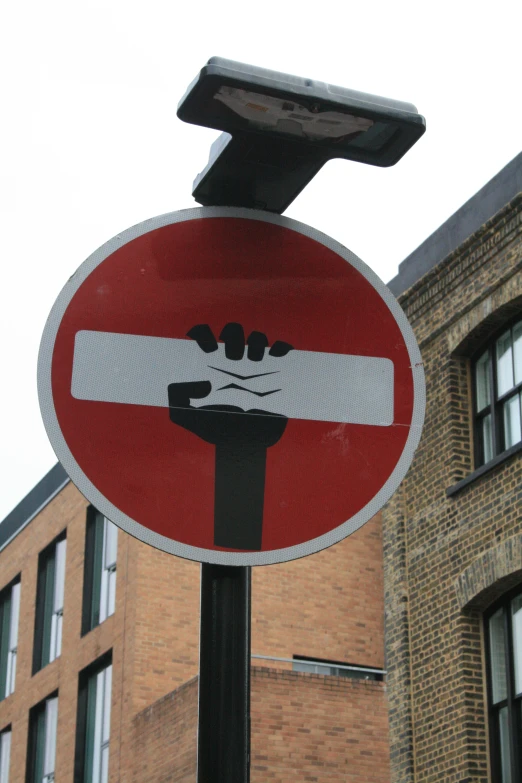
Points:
x=241, y=436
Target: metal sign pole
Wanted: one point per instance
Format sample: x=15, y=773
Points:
x=263, y=161
x=224, y=675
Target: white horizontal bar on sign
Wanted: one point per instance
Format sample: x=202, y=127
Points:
x=137, y=370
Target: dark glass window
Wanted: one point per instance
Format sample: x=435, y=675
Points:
x=497, y=380
x=93, y=723
x=99, y=585
x=504, y=667
x=9, y=617
x=49, y=604
x=335, y=669
x=41, y=748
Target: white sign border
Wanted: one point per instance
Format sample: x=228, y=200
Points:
x=143, y=533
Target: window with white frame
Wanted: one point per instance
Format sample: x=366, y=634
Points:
x=5, y=754
x=9, y=620
x=49, y=604
x=101, y=545
x=41, y=750
x=93, y=725
x=497, y=381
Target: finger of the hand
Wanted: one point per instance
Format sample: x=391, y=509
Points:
x=234, y=338
x=257, y=342
x=280, y=348
x=203, y=335
x=180, y=394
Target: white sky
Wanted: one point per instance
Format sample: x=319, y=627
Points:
x=90, y=142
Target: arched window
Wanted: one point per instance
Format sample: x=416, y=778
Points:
x=497, y=376
x=504, y=669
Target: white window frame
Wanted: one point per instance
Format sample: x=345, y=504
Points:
x=58, y=600
x=13, y=639
x=108, y=573
x=5, y=754
x=102, y=726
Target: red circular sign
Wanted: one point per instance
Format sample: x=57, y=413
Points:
x=151, y=468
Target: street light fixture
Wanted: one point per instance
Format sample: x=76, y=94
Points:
x=279, y=130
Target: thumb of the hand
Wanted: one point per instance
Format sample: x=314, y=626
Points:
x=180, y=394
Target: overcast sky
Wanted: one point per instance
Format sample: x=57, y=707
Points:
x=91, y=144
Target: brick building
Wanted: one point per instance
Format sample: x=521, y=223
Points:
x=99, y=655
x=452, y=533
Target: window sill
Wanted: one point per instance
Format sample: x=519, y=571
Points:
x=489, y=466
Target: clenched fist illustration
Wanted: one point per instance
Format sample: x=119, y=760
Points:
x=241, y=437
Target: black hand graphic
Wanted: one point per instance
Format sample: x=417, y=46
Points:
x=227, y=424
x=241, y=438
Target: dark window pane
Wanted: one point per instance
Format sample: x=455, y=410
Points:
x=517, y=351
x=97, y=569
x=93, y=570
x=48, y=602
x=90, y=729
x=505, y=746
x=504, y=364
x=5, y=623
x=497, y=651
x=512, y=424
x=482, y=391
x=516, y=613
x=487, y=438
x=39, y=730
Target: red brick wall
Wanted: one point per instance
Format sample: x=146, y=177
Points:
x=164, y=738
x=67, y=511
x=305, y=727
x=328, y=606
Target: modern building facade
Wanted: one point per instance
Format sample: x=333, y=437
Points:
x=99, y=655
x=452, y=533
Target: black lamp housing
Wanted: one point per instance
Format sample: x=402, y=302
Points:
x=281, y=129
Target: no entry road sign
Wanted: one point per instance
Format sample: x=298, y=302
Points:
x=231, y=386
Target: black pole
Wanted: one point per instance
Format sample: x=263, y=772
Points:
x=224, y=675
